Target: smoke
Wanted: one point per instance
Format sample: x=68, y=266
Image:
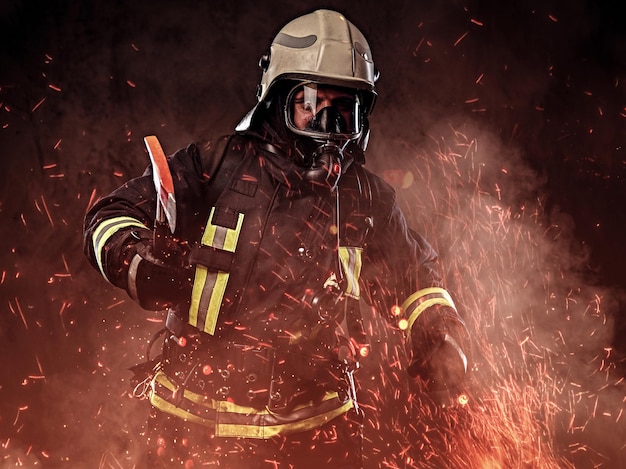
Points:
x=486, y=187
x=546, y=388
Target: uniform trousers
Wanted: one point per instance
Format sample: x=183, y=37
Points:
x=174, y=443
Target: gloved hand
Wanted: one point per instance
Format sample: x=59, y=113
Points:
x=443, y=367
x=156, y=280
x=439, y=357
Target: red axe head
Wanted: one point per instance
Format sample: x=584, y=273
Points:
x=166, y=202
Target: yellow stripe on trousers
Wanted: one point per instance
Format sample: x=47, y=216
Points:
x=228, y=419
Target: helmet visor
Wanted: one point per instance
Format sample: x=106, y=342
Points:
x=324, y=112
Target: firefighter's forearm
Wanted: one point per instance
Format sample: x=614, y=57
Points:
x=437, y=338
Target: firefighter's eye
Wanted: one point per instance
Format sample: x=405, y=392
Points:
x=344, y=104
x=303, y=105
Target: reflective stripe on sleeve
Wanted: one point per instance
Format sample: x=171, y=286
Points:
x=209, y=285
x=351, y=263
x=231, y=420
x=132, y=277
x=103, y=233
x=423, y=299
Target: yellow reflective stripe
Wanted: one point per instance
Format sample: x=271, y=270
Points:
x=261, y=431
x=258, y=416
x=166, y=382
x=217, y=296
x=198, y=284
x=209, y=231
x=233, y=235
x=159, y=403
x=209, y=286
x=224, y=406
x=423, y=299
x=427, y=291
x=103, y=233
x=166, y=406
x=351, y=263
x=424, y=306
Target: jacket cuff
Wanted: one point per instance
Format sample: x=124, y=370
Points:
x=103, y=233
x=422, y=300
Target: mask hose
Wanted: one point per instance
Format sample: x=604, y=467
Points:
x=327, y=165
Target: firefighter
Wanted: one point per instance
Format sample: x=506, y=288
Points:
x=280, y=234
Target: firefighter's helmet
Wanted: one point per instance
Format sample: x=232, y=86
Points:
x=322, y=48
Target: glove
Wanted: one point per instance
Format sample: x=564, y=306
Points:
x=443, y=368
x=438, y=355
x=156, y=282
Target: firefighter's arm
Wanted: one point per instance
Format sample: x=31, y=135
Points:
x=435, y=333
x=437, y=339
x=118, y=237
x=153, y=282
x=118, y=243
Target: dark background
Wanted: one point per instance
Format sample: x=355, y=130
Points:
x=540, y=84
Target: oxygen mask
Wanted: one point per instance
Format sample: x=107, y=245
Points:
x=326, y=121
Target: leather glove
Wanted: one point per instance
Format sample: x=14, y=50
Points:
x=438, y=352
x=444, y=366
x=156, y=280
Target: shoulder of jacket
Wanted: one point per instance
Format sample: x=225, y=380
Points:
x=207, y=155
x=382, y=191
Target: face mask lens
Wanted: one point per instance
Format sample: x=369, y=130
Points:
x=329, y=121
x=321, y=112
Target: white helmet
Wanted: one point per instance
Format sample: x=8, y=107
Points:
x=322, y=48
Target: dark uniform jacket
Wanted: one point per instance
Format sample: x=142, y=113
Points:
x=280, y=265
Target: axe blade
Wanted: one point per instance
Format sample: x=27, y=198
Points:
x=163, y=183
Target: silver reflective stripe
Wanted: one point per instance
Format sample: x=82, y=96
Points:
x=132, y=277
x=457, y=347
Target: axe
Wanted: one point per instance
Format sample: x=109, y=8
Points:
x=165, y=219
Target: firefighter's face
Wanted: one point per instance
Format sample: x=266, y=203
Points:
x=308, y=101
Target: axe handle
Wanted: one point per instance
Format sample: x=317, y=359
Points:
x=161, y=232
x=160, y=235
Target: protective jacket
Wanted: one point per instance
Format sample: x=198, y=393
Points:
x=272, y=326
